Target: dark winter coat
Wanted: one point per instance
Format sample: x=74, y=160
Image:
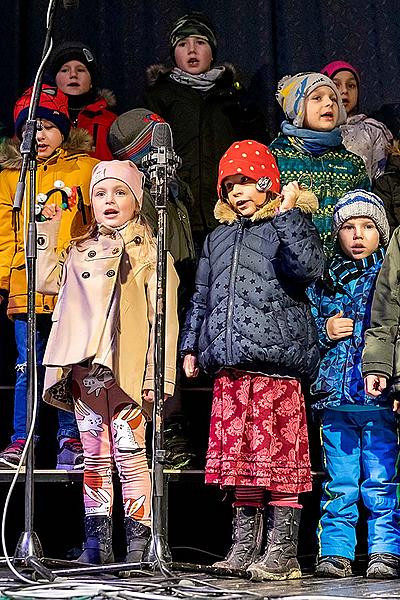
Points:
x=250, y=310
x=387, y=187
x=340, y=381
x=204, y=125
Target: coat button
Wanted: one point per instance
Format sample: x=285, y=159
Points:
x=85, y=274
x=115, y=250
x=110, y=273
x=137, y=240
x=92, y=253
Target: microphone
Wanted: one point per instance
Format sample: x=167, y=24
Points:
x=71, y=4
x=161, y=155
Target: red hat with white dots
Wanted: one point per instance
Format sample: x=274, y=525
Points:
x=252, y=159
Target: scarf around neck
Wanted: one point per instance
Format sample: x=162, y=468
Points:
x=308, y=140
x=202, y=82
x=342, y=269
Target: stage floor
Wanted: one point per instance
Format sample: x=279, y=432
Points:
x=198, y=585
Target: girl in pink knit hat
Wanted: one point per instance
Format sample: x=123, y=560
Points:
x=363, y=135
x=100, y=356
x=250, y=325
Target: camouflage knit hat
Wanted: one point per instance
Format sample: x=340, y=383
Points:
x=193, y=24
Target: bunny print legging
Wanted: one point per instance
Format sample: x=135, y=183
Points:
x=112, y=430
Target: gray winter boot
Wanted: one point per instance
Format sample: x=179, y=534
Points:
x=97, y=548
x=137, y=540
x=279, y=560
x=246, y=538
x=383, y=566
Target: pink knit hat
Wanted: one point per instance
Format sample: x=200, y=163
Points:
x=123, y=170
x=340, y=65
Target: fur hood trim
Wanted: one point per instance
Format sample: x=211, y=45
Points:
x=108, y=96
x=79, y=141
x=307, y=202
x=154, y=72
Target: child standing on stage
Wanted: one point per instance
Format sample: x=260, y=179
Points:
x=359, y=433
x=100, y=353
x=63, y=176
x=309, y=147
x=362, y=135
x=250, y=325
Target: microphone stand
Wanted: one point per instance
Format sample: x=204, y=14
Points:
x=29, y=546
x=159, y=550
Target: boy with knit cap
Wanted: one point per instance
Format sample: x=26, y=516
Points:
x=206, y=108
x=359, y=432
x=362, y=135
x=63, y=176
x=309, y=147
x=250, y=326
x=73, y=67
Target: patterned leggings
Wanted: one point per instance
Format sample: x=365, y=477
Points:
x=112, y=429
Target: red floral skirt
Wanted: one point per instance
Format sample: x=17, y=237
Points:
x=258, y=433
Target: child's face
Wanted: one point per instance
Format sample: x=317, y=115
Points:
x=346, y=83
x=113, y=202
x=48, y=138
x=243, y=196
x=321, y=109
x=73, y=78
x=193, y=55
x=358, y=237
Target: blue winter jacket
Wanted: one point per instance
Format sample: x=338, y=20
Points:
x=348, y=287
x=250, y=310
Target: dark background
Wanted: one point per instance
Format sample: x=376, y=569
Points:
x=265, y=39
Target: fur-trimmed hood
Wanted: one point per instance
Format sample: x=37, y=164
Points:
x=307, y=202
x=154, y=73
x=108, y=96
x=79, y=141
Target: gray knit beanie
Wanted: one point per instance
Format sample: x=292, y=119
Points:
x=293, y=90
x=360, y=203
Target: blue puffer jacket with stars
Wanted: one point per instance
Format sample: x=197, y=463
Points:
x=250, y=310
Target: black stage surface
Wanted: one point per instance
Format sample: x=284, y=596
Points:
x=184, y=584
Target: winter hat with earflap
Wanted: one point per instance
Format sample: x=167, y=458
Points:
x=360, y=203
x=340, y=65
x=123, y=170
x=67, y=51
x=252, y=159
x=193, y=24
x=53, y=106
x=293, y=90
x=129, y=137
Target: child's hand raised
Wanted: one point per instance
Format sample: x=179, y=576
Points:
x=338, y=327
x=374, y=386
x=52, y=212
x=290, y=192
x=190, y=365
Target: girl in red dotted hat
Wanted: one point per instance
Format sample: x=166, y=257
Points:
x=250, y=325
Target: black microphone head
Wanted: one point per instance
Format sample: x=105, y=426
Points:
x=161, y=136
x=71, y=3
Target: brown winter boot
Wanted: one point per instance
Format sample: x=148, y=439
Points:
x=137, y=540
x=97, y=549
x=279, y=560
x=246, y=538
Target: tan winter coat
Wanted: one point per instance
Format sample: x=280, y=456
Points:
x=105, y=310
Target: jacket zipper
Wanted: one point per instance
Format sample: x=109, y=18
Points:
x=232, y=279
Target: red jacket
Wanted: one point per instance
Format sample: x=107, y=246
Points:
x=97, y=118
